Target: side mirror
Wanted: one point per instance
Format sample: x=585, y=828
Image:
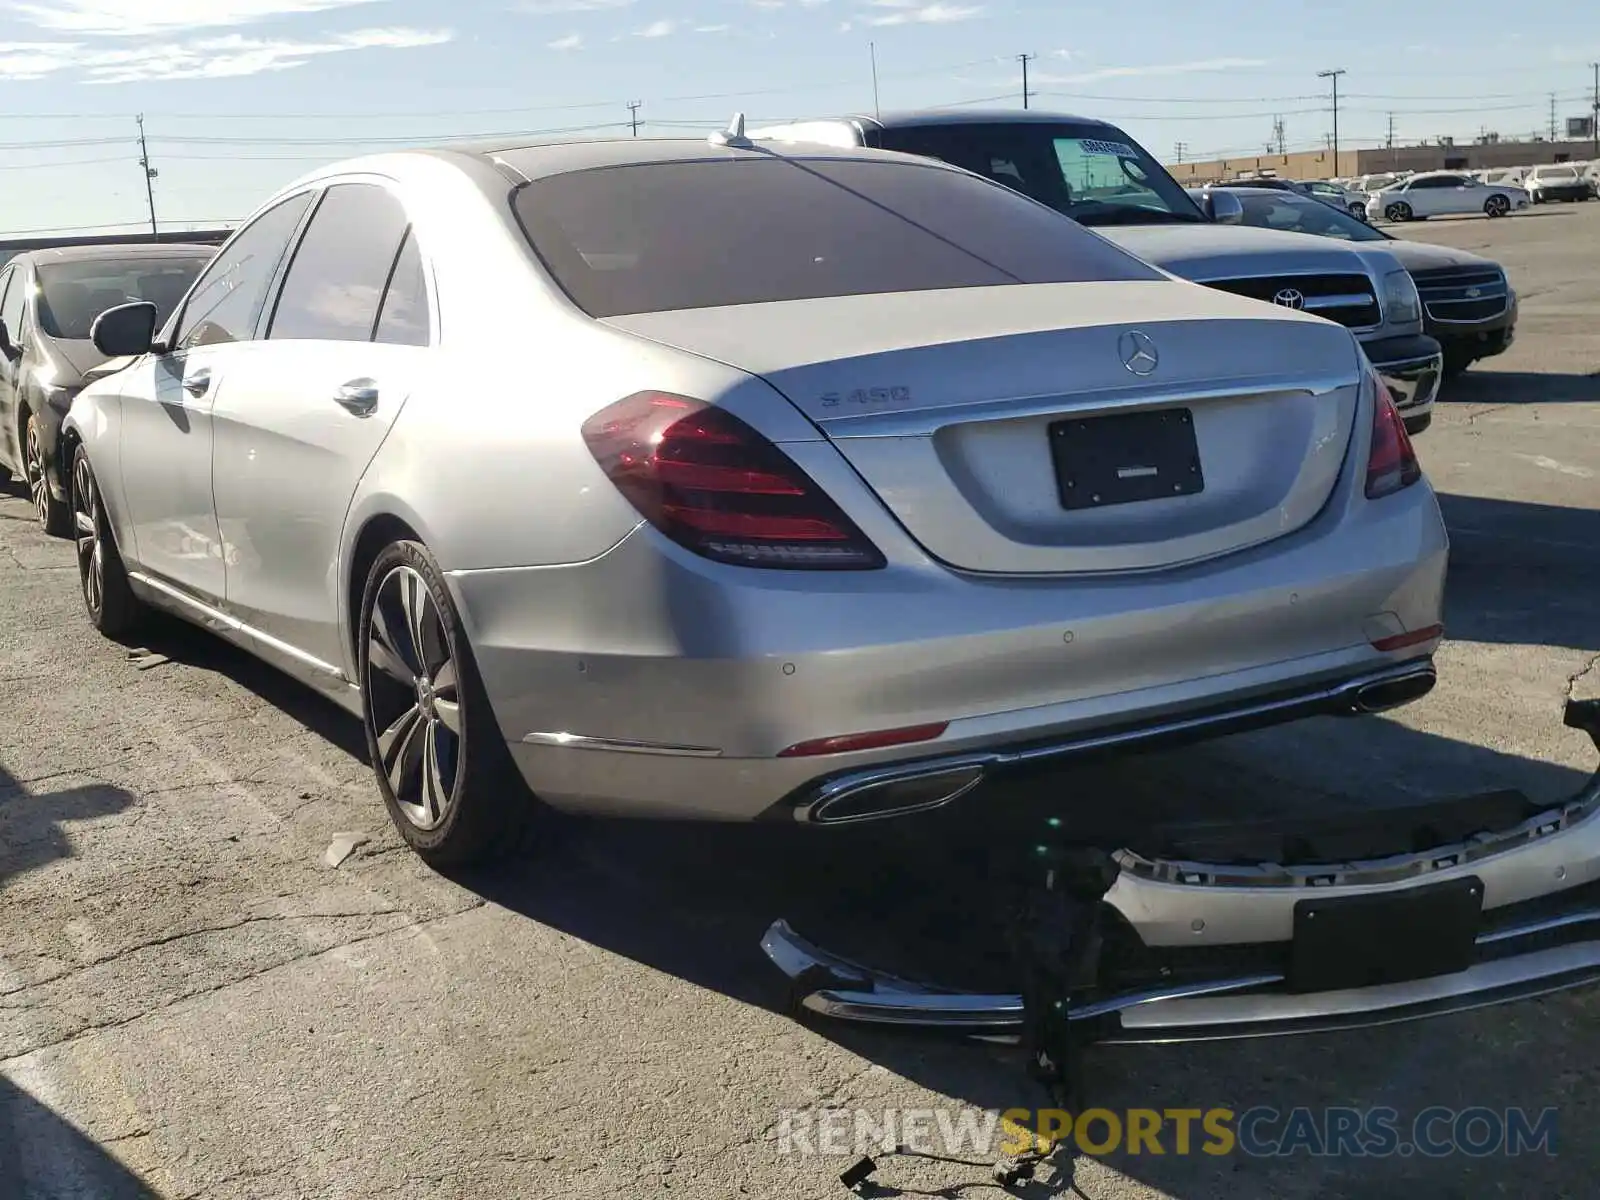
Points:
x=7, y=347
x=125, y=331
x=1224, y=208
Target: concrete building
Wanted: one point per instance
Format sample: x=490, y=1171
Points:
x=1318, y=164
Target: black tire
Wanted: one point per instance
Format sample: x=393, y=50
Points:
x=454, y=795
x=107, y=596
x=1496, y=206
x=55, y=517
x=1398, y=211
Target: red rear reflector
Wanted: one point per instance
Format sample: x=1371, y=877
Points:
x=715, y=486
x=849, y=742
x=1416, y=637
x=1392, y=462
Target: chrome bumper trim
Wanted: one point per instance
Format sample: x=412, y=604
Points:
x=1236, y=1007
x=578, y=741
x=1413, y=383
x=813, y=802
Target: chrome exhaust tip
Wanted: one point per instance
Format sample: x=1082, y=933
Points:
x=897, y=796
x=1393, y=693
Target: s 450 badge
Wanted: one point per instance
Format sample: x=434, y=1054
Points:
x=867, y=397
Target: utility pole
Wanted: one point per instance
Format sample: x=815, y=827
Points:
x=1334, y=76
x=1025, y=59
x=1179, y=150
x=1552, y=116
x=872, y=49
x=633, y=115
x=1276, y=145
x=1594, y=127
x=150, y=173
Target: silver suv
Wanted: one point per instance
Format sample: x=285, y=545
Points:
x=1100, y=177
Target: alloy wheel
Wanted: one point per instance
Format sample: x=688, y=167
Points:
x=38, y=477
x=1498, y=206
x=86, y=532
x=414, y=700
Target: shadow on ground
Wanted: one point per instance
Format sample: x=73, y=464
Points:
x=33, y=820
x=1522, y=573
x=1485, y=385
x=43, y=1157
x=183, y=643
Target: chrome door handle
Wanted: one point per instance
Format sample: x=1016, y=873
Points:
x=199, y=383
x=359, y=396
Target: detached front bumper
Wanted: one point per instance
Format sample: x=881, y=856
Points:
x=1208, y=951
x=1412, y=368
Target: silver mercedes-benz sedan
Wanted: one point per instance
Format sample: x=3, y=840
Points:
x=697, y=479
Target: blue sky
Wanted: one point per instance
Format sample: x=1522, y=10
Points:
x=241, y=95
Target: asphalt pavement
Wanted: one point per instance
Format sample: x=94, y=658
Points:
x=194, y=1003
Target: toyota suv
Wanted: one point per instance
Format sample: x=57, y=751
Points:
x=1100, y=177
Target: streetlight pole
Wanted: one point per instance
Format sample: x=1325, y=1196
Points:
x=1334, y=76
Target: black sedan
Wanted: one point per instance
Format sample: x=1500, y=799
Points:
x=48, y=301
x=1467, y=302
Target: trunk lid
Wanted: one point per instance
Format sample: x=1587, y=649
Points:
x=969, y=413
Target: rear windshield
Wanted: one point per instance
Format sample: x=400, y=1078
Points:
x=658, y=237
x=73, y=294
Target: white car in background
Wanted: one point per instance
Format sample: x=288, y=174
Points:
x=1441, y=194
x=1561, y=181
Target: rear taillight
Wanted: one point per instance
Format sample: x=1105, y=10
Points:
x=714, y=485
x=1392, y=463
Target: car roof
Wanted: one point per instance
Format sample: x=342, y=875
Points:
x=129, y=250
x=524, y=160
x=914, y=117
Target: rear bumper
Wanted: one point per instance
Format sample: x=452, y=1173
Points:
x=651, y=683
x=1539, y=932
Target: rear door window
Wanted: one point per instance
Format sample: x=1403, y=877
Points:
x=336, y=282
x=703, y=234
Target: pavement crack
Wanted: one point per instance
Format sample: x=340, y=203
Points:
x=95, y=1027
x=204, y=931
x=1580, y=674
x=1484, y=412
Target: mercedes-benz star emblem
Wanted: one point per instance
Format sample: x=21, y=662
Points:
x=1138, y=352
x=1290, y=298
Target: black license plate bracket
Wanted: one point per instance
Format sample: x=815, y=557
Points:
x=1385, y=937
x=1125, y=458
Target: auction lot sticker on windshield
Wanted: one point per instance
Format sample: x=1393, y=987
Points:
x=1110, y=149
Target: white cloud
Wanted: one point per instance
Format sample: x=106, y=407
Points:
x=1184, y=68
x=227, y=56
x=769, y=5
x=657, y=29
x=541, y=8
x=573, y=41
x=135, y=18
x=907, y=12
x=712, y=28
